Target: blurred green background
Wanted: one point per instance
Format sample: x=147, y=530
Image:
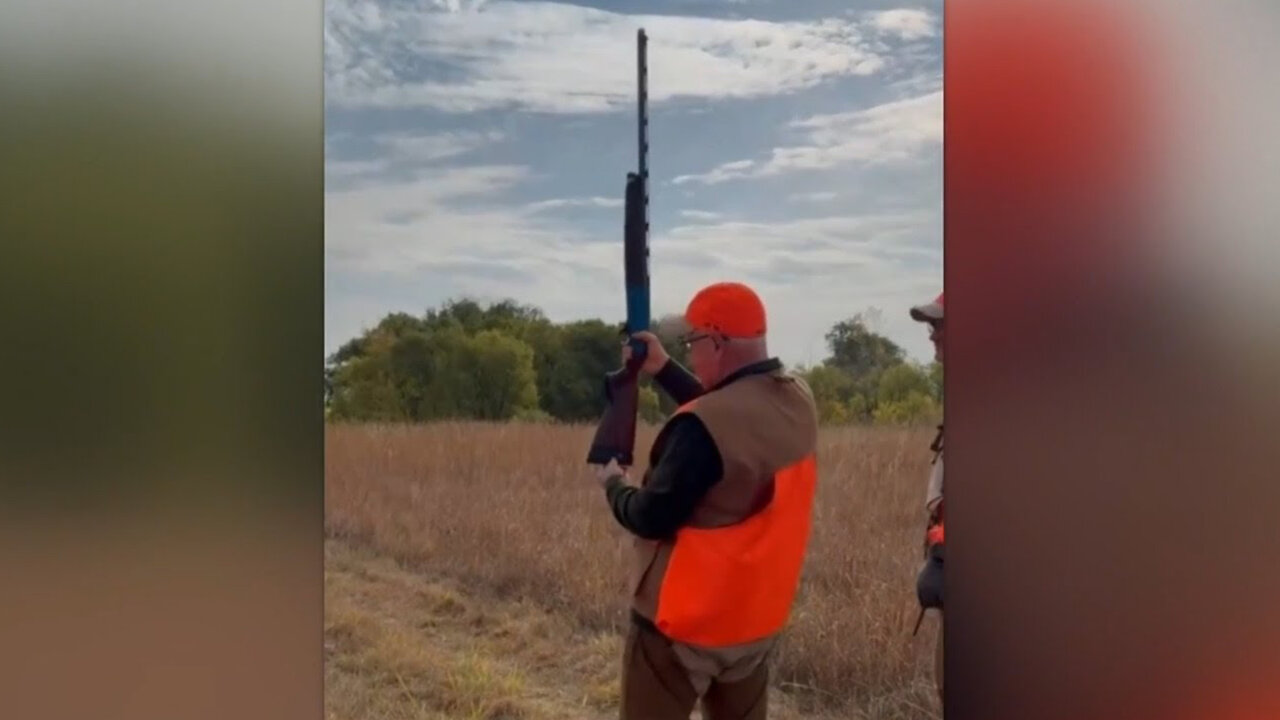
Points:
x=162, y=280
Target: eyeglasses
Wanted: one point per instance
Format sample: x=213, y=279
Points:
x=689, y=339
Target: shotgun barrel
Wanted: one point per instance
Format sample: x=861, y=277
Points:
x=615, y=436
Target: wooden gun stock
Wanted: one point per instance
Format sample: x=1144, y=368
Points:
x=615, y=437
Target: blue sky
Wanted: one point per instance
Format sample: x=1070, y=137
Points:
x=480, y=149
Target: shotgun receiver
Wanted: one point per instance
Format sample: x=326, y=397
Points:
x=615, y=436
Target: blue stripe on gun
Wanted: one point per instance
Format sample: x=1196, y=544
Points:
x=637, y=318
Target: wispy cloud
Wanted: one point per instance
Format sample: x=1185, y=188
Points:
x=394, y=227
x=813, y=197
x=895, y=248
x=894, y=131
x=700, y=215
x=457, y=5
x=562, y=58
x=872, y=240
x=346, y=169
x=404, y=151
x=433, y=147
x=727, y=171
x=597, y=202
x=453, y=230
x=908, y=24
x=811, y=271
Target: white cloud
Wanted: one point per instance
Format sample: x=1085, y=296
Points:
x=345, y=169
x=432, y=147
x=562, y=58
x=457, y=5
x=391, y=227
x=811, y=272
x=451, y=232
x=891, y=132
x=907, y=24
x=727, y=171
x=813, y=197
x=832, y=255
x=876, y=241
x=699, y=215
x=598, y=202
x=405, y=150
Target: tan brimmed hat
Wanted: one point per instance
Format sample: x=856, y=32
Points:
x=928, y=312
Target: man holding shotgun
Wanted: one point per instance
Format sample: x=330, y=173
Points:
x=721, y=517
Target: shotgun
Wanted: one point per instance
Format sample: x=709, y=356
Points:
x=615, y=436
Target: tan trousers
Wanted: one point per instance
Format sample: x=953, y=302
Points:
x=656, y=686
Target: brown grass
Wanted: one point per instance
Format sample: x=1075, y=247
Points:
x=511, y=513
x=405, y=645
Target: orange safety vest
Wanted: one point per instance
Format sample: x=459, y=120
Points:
x=736, y=584
x=936, y=534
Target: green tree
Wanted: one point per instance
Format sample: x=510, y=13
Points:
x=464, y=314
x=449, y=368
x=649, y=408
x=411, y=364
x=833, y=391
x=365, y=390
x=511, y=317
x=859, y=407
x=915, y=408
x=397, y=324
x=898, y=382
x=935, y=376
x=859, y=351
x=507, y=360
x=500, y=378
x=545, y=339
x=507, y=315
x=371, y=343
x=349, y=350
x=586, y=350
x=832, y=412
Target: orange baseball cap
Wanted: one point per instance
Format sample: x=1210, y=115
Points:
x=729, y=308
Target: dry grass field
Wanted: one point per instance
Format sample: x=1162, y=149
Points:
x=474, y=571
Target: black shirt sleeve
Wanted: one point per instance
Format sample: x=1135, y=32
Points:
x=678, y=382
x=689, y=466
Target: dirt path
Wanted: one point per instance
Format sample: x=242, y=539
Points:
x=402, y=646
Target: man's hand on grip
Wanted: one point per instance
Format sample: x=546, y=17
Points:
x=655, y=357
x=612, y=469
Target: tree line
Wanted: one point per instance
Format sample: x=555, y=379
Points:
x=507, y=361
